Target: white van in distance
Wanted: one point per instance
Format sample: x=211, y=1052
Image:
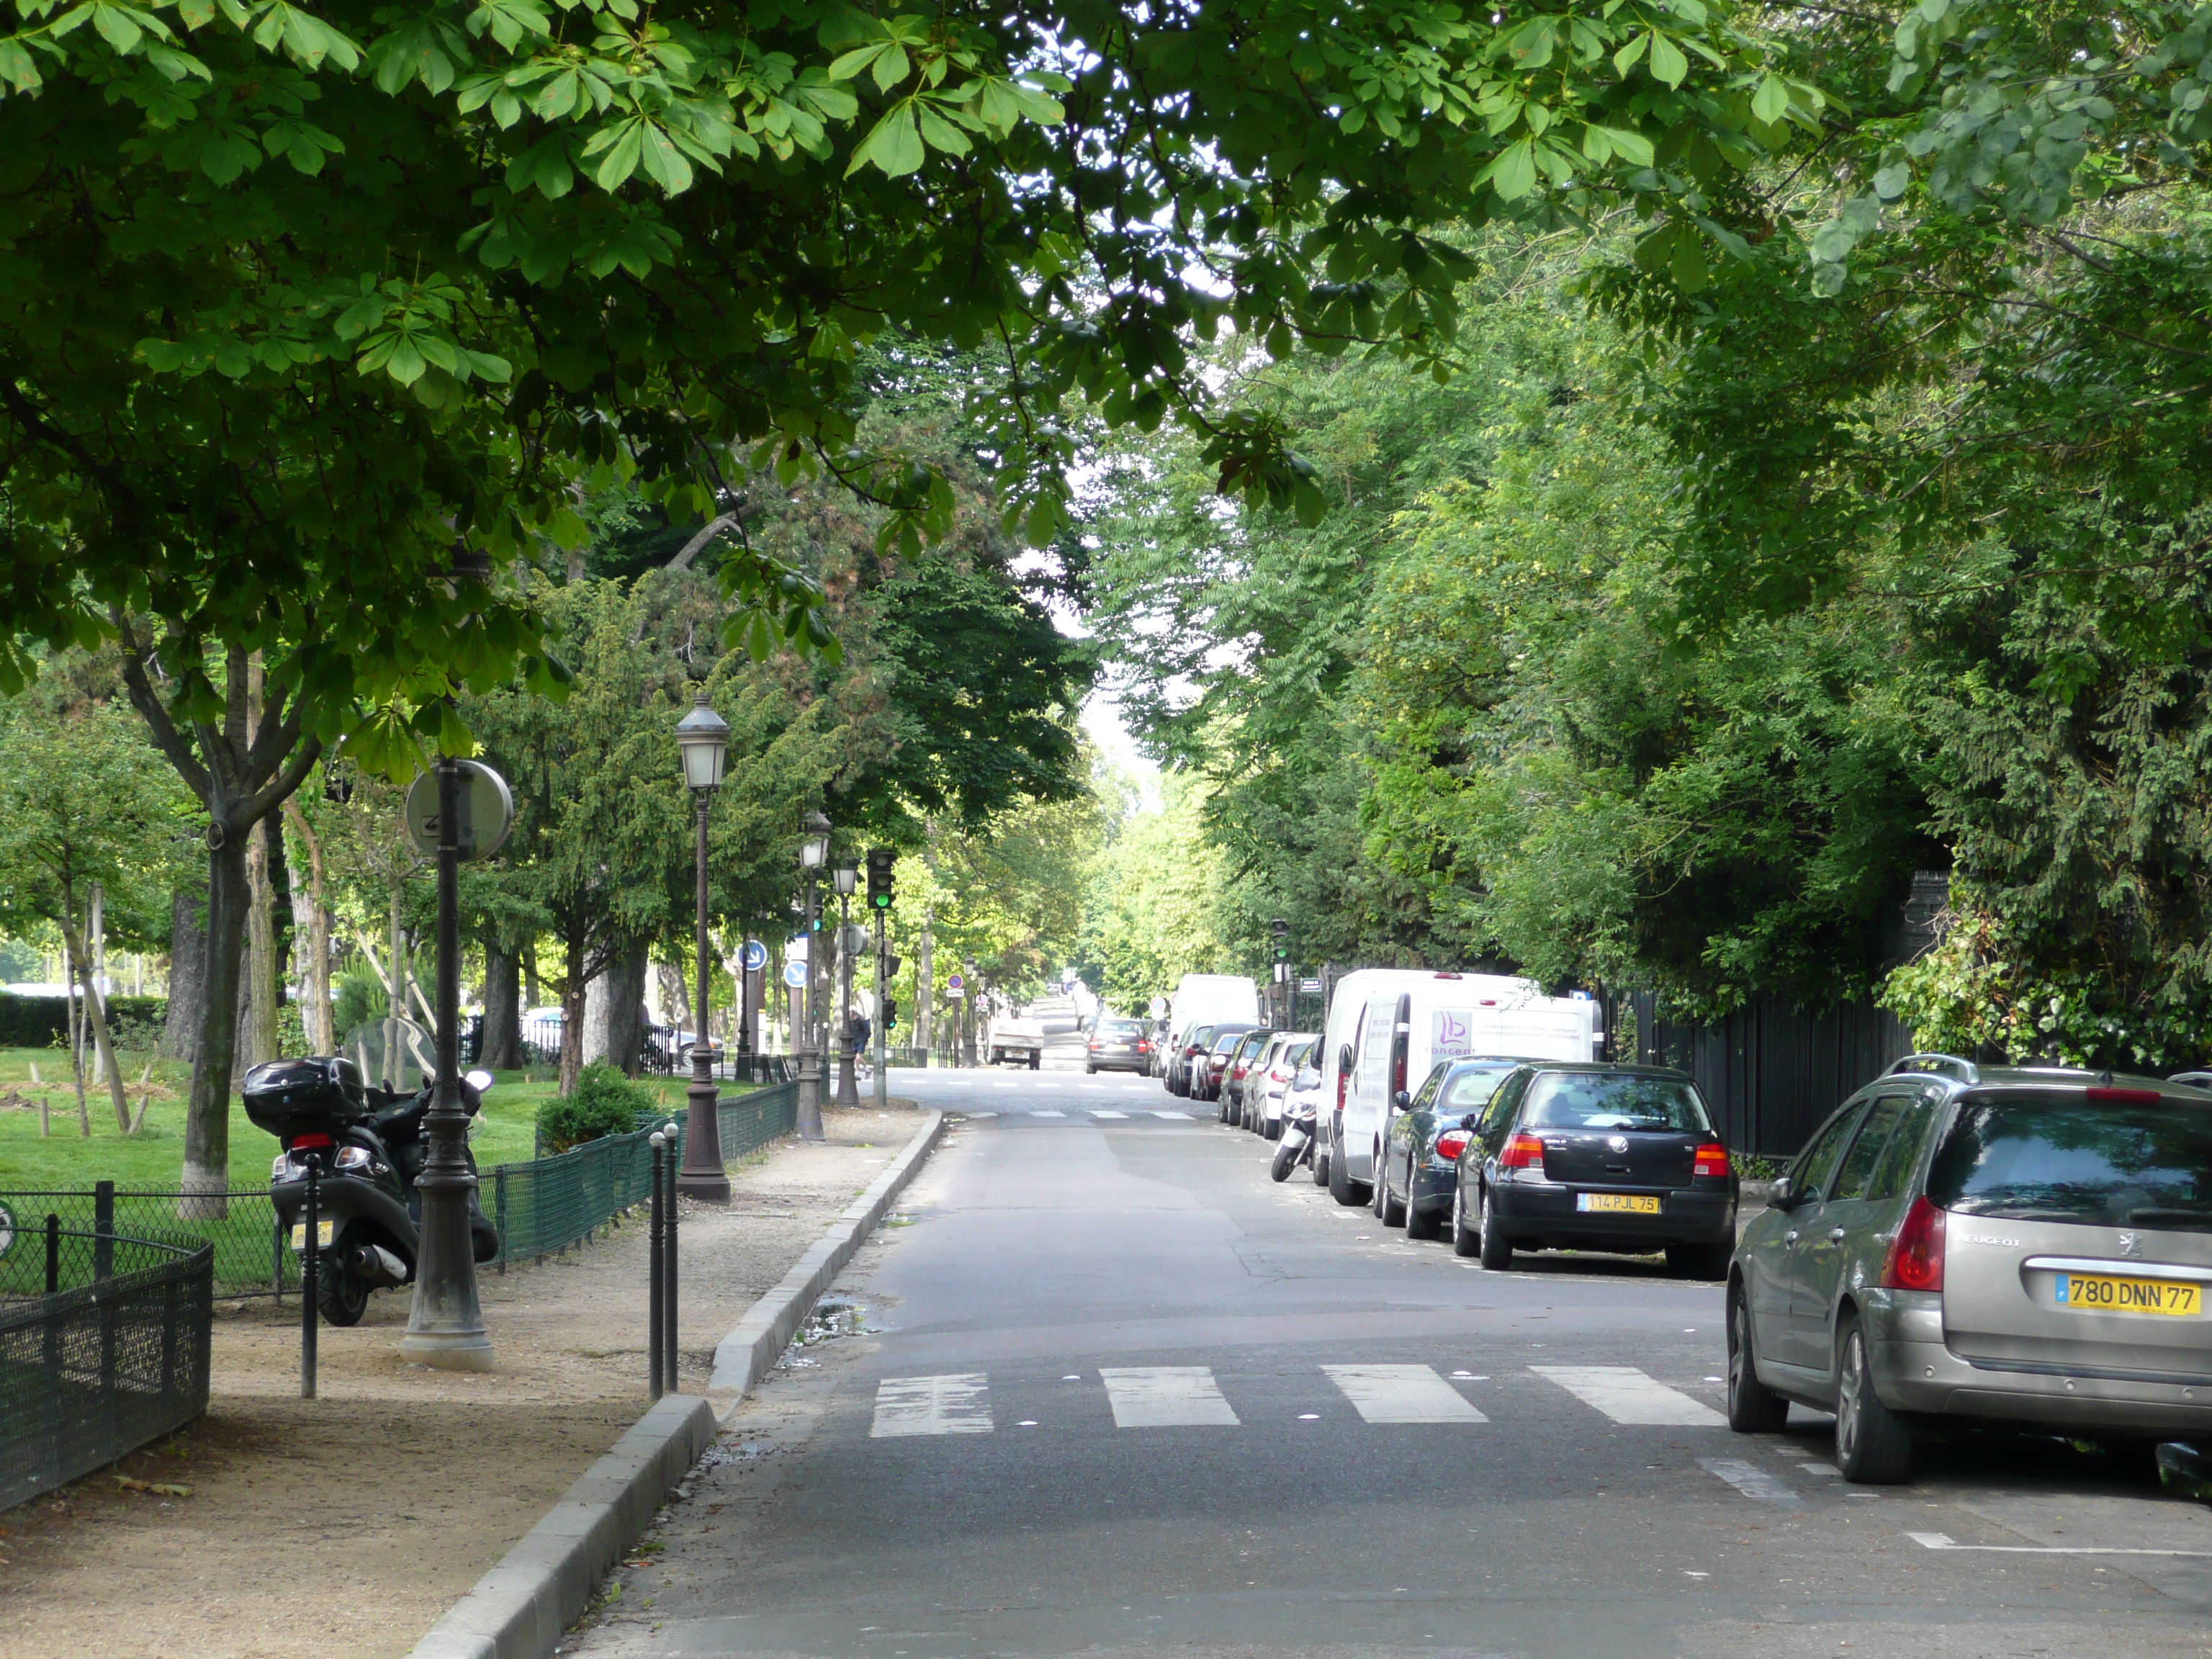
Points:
x=1211, y=1000
x=1387, y=1026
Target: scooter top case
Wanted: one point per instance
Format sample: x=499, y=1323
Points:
x=293, y=1098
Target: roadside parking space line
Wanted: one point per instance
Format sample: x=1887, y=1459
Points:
x=1940, y=1540
x=1753, y=1482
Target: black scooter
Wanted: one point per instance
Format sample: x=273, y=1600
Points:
x=368, y=1147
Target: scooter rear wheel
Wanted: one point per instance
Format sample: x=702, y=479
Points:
x=340, y=1297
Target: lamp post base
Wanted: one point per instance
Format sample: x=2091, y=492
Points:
x=448, y=1351
x=702, y=1177
x=810, y=1096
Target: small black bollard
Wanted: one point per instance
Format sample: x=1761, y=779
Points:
x=668, y=1296
x=311, y=1270
x=657, y=1287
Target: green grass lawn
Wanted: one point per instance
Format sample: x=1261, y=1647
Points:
x=154, y=1156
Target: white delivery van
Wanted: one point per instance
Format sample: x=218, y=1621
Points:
x=1211, y=1000
x=1389, y=1026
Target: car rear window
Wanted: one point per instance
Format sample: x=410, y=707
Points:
x=2039, y=1158
x=1570, y=1100
x=1122, y=1027
x=1470, y=1090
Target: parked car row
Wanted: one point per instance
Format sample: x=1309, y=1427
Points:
x=2029, y=1246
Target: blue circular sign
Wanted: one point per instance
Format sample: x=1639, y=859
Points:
x=754, y=956
x=794, y=974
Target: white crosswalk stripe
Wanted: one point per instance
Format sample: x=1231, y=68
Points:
x=1166, y=1397
x=1180, y=1117
x=1095, y=1112
x=1401, y=1394
x=955, y=1404
x=979, y=1115
x=1627, y=1396
x=1035, y=1112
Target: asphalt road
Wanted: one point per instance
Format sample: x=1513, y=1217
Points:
x=1092, y=1410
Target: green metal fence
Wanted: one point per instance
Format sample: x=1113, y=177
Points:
x=114, y=1355
x=540, y=1206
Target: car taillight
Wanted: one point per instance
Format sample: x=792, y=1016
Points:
x=1522, y=1151
x=2125, y=1097
x=1143, y=1047
x=302, y=1143
x=1712, y=1159
x=1450, y=1146
x=1914, y=1261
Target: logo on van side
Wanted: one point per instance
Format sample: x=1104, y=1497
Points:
x=1451, y=1034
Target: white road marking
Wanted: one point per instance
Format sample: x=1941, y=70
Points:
x=1753, y=1482
x=1184, y=1117
x=1627, y=1396
x=1401, y=1394
x=1939, y=1541
x=1036, y=1113
x=1165, y=1396
x=1096, y=1113
x=1819, y=1468
x=955, y=1404
x=979, y=1115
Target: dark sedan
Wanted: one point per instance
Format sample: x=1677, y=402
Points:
x=1118, y=1045
x=1421, y=1161
x=1596, y=1157
x=1207, y=1069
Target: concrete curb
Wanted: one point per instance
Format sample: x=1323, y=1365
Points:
x=519, y=1609
x=743, y=1356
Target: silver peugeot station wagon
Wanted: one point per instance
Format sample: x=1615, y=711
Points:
x=2021, y=1244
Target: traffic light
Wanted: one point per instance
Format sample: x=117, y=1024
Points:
x=1281, y=930
x=890, y=965
x=890, y=1015
x=880, y=860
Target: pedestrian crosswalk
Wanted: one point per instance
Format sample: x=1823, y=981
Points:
x=1189, y=1396
x=1085, y=1114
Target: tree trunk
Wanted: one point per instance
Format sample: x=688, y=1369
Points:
x=258, y=1042
x=207, y=1110
x=925, y=1025
x=501, y=1048
x=85, y=970
x=310, y=920
x=180, y=1029
x=572, y=1016
x=624, y=988
x=532, y=994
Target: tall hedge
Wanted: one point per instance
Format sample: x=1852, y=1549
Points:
x=43, y=1022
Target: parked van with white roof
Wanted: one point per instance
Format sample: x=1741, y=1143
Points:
x=1387, y=1026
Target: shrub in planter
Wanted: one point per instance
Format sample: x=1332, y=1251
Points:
x=602, y=1102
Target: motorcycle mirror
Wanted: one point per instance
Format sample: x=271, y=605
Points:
x=480, y=1079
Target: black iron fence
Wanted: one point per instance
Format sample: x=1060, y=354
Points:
x=108, y=1351
x=538, y=1206
x=1772, y=1073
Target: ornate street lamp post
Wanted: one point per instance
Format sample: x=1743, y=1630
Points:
x=814, y=850
x=847, y=877
x=445, y=1324
x=704, y=738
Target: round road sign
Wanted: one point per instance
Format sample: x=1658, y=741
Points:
x=794, y=974
x=754, y=957
x=487, y=812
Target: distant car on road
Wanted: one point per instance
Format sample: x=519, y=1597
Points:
x=1270, y=1076
x=1595, y=1157
x=2027, y=1244
x=1018, y=1038
x=1116, y=1044
x=1207, y=1069
x=1234, y=1069
x=1182, y=1064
